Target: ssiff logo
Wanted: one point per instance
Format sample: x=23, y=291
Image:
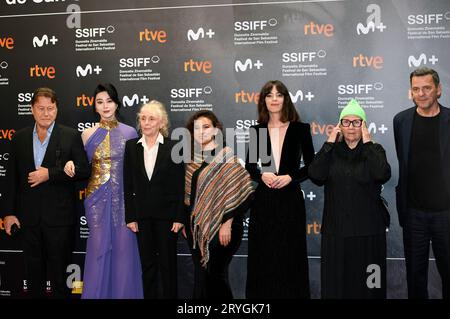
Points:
x=93, y=32
x=88, y=70
x=44, y=40
x=431, y=18
x=359, y=88
x=199, y=34
x=421, y=60
x=254, y=25
x=373, y=21
x=302, y=56
x=189, y=92
x=248, y=64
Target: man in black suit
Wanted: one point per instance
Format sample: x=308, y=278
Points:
x=40, y=198
x=154, y=192
x=422, y=141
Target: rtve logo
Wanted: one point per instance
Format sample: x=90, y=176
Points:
x=431, y=18
x=88, y=70
x=24, y=97
x=7, y=134
x=93, y=32
x=302, y=56
x=153, y=35
x=189, y=92
x=319, y=29
x=246, y=97
x=200, y=34
x=198, y=66
x=12, y=2
x=362, y=61
x=85, y=100
x=45, y=71
x=7, y=42
x=359, y=88
x=247, y=65
x=421, y=60
x=134, y=100
x=373, y=21
x=44, y=40
x=138, y=62
x=254, y=25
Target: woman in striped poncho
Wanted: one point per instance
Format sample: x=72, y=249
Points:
x=218, y=193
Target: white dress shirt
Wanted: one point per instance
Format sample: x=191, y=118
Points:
x=150, y=154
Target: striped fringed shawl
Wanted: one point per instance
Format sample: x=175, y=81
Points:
x=222, y=187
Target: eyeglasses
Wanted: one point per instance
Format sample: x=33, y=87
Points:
x=355, y=123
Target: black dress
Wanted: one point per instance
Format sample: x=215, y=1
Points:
x=277, y=257
x=353, y=263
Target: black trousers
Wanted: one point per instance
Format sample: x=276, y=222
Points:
x=158, y=252
x=47, y=253
x=211, y=282
x=422, y=227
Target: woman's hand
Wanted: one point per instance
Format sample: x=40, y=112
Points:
x=133, y=226
x=268, y=178
x=365, y=133
x=176, y=227
x=334, y=134
x=69, y=169
x=225, y=232
x=281, y=181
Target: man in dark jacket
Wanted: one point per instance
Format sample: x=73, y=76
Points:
x=40, y=199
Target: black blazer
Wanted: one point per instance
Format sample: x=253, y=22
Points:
x=297, y=143
x=403, y=122
x=52, y=202
x=162, y=196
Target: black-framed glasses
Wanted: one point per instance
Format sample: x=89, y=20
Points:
x=355, y=123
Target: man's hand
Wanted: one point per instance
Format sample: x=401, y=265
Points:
x=37, y=177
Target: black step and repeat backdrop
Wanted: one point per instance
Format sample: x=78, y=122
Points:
x=216, y=55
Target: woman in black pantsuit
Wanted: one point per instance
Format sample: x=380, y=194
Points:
x=277, y=256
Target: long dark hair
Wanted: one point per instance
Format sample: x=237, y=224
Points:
x=112, y=92
x=288, y=112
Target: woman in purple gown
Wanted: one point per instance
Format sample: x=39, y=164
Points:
x=112, y=266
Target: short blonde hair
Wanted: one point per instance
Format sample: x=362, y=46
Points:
x=155, y=105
